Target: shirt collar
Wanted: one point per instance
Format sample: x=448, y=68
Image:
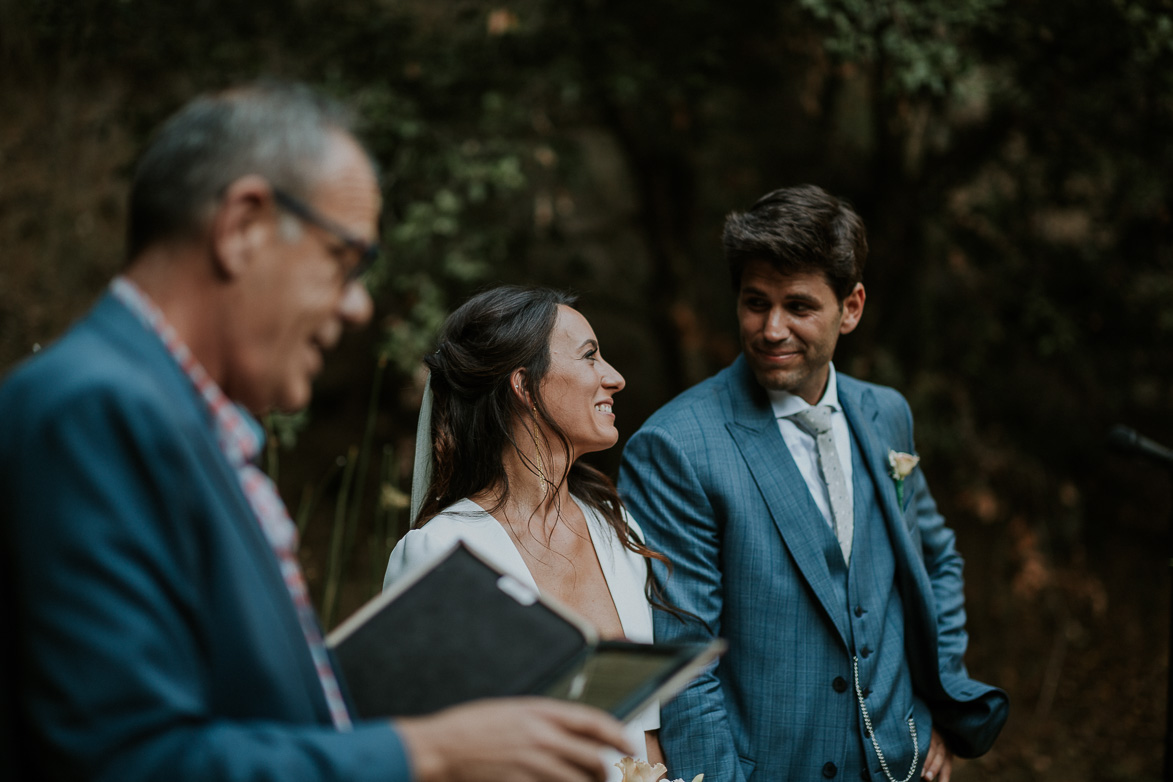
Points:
x=239, y=435
x=786, y=404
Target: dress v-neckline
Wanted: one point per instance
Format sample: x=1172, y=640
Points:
x=604, y=555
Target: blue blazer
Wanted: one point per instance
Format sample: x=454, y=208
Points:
x=713, y=484
x=150, y=633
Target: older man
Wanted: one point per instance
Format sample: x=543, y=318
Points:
x=159, y=625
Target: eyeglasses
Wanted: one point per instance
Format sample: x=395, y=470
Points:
x=367, y=252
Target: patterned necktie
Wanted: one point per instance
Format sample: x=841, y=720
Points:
x=816, y=421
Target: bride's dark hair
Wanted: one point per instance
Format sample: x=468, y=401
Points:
x=474, y=408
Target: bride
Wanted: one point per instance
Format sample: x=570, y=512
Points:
x=520, y=391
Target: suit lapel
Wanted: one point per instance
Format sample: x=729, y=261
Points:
x=121, y=325
x=863, y=416
x=859, y=407
x=784, y=492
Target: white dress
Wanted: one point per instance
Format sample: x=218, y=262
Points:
x=624, y=570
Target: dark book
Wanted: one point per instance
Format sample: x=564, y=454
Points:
x=458, y=629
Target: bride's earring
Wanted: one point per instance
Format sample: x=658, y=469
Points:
x=533, y=433
x=538, y=449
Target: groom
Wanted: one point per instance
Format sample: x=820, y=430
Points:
x=770, y=488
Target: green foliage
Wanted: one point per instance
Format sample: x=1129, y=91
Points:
x=1151, y=28
x=1010, y=159
x=451, y=238
x=921, y=46
x=453, y=144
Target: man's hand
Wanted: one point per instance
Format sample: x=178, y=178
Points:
x=519, y=739
x=938, y=761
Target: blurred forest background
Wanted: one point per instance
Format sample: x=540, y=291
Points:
x=1011, y=158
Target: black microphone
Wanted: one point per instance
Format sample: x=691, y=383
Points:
x=1127, y=440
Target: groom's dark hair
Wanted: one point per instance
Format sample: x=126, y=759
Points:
x=796, y=230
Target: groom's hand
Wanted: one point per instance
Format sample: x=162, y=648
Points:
x=938, y=761
x=519, y=739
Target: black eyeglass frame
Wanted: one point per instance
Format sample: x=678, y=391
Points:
x=368, y=252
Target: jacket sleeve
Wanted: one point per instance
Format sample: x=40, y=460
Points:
x=969, y=714
x=661, y=488
x=120, y=657
x=943, y=564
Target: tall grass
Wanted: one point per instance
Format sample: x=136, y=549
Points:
x=349, y=504
x=386, y=510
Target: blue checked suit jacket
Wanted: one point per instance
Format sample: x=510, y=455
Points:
x=711, y=481
x=150, y=633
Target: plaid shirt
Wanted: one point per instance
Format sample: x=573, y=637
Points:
x=241, y=438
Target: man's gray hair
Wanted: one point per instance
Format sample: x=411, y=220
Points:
x=279, y=131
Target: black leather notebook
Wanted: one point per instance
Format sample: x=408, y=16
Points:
x=458, y=629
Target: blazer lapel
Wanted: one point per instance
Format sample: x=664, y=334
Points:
x=863, y=415
x=784, y=492
x=859, y=406
x=121, y=325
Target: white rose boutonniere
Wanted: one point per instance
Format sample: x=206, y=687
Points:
x=902, y=465
x=639, y=771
